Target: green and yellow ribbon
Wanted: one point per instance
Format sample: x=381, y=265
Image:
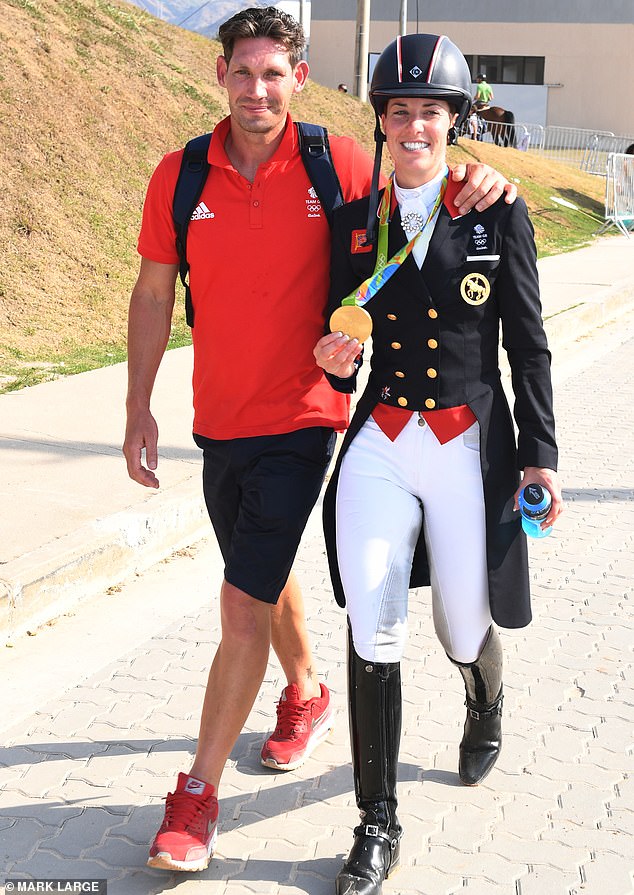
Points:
x=384, y=269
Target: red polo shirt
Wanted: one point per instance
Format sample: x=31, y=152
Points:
x=259, y=256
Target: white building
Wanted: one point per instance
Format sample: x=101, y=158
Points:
x=552, y=62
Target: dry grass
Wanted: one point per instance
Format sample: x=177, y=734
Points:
x=92, y=93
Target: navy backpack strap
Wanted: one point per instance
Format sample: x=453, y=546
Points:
x=317, y=158
x=189, y=186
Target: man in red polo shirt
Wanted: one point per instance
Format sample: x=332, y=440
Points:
x=264, y=415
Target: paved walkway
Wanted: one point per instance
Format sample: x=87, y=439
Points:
x=78, y=524
x=101, y=709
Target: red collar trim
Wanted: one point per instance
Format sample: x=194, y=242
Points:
x=453, y=188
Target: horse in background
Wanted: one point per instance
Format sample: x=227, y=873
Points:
x=500, y=124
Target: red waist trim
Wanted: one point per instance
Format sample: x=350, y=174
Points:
x=445, y=424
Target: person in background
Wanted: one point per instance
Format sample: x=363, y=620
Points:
x=484, y=92
x=523, y=138
x=264, y=415
x=342, y=88
x=425, y=487
x=476, y=126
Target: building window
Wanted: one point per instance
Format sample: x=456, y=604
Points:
x=533, y=70
x=512, y=70
x=489, y=66
x=508, y=69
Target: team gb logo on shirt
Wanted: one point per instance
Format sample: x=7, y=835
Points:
x=313, y=205
x=480, y=237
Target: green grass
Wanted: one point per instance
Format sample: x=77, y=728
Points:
x=18, y=371
x=29, y=6
x=564, y=229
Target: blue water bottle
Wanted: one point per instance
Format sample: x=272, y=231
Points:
x=534, y=502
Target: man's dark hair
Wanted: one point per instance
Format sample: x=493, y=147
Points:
x=263, y=22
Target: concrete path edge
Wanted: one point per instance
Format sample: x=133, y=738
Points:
x=39, y=586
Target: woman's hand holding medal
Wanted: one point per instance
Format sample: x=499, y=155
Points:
x=336, y=353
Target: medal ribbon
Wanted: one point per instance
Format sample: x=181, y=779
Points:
x=385, y=269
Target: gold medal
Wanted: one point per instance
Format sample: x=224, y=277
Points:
x=475, y=289
x=351, y=320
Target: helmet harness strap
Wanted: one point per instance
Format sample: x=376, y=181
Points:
x=371, y=228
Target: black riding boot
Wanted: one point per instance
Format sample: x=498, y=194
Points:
x=482, y=740
x=374, y=699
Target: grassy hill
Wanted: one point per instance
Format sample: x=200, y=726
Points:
x=92, y=94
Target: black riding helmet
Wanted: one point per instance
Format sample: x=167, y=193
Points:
x=426, y=65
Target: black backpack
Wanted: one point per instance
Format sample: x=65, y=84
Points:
x=315, y=152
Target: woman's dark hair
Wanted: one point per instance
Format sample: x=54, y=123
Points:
x=263, y=22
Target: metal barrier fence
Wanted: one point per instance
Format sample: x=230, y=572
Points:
x=574, y=146
x=518, y=136
x=581, y=148
x=597, y=154
x=619, y=193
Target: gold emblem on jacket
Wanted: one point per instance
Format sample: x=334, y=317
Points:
x=475, y=289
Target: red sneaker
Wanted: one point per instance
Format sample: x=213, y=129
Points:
x=301, y=727
x=188, y=833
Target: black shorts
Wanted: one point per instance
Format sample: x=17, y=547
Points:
x=259, y=493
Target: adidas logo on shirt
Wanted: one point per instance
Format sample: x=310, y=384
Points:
x=201, y=213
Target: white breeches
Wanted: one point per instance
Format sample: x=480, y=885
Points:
x=382, y=490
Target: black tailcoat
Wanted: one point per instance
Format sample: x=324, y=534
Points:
x=435, y=345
